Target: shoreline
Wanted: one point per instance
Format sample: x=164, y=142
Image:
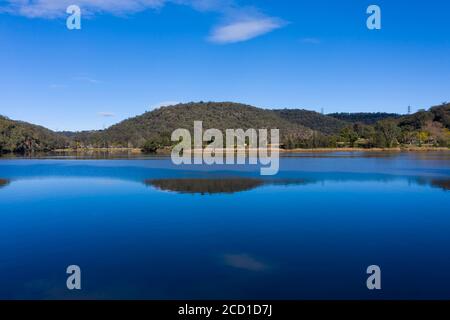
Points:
x=399, y=149
x=297, y=150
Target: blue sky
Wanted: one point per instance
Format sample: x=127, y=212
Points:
x=132, y=56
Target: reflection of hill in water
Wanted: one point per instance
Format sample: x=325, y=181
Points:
x=440, y=183
x=3, y=182
x=206, y=185
x=216, y=185
x=443, y=184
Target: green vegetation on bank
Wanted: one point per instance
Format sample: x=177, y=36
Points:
x=22, y=137
x=298, y=128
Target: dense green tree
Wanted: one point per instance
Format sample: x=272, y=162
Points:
x=151, y=146
x=349, y=136
x=389, y=131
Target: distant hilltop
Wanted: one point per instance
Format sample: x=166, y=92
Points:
x=298, y=128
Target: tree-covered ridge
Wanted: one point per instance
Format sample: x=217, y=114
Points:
x=313, y=120
x=22, y=137
x=363, y=117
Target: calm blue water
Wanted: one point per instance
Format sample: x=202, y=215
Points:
x=143, y=228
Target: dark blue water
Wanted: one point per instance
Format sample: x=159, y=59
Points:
x=143, y=228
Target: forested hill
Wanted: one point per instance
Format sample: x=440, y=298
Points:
x=19, y=136
x=160, y=123
x=298, y=128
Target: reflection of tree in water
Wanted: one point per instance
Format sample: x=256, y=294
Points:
x=3, y=182
x=205, y=185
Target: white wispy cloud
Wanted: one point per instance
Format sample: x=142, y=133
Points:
x=87, y=79
x=311, y=40
x=244, y=261
x=57, y=86
x=106, y=114
x=238, y=31
x=164, y=104
x=57, y=8
x=239, y=23
x=207, y=5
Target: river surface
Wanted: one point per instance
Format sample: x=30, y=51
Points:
x=143, y=228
